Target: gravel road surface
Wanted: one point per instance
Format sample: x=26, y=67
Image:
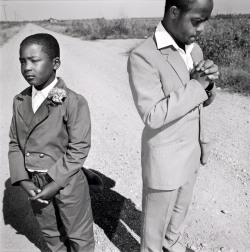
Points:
x=219, y=217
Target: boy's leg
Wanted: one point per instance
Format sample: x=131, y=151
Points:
x=173, y=241
x=163, y=215
x=51, y=226
x=157, y=208
x=75, y=210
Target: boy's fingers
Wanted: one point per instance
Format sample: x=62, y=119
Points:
x=212, y=70
x=207, y=64
x=195, y=64
x=32, y=193
x=213, y=77
x=199, y=66
x=39, y=200
x=36, y=197
x=43, y=201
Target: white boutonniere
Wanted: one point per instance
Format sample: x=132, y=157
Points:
x=57, y=95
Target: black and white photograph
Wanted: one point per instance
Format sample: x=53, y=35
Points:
x=125, y=126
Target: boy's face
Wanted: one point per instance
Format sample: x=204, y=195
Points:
x=189, y=25
x=36, y=66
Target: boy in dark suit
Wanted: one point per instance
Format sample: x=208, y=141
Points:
x=50, y=138
x=170, y=83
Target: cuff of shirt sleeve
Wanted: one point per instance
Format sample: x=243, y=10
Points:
x=210, y=87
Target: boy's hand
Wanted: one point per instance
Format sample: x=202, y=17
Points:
x=204, y=72
x=48, y=192
x=32, y=190
x=209, y=68
x=29, y=187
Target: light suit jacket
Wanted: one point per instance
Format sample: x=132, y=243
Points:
x=167, y=101
x=56, y=138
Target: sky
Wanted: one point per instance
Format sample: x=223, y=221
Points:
x=83, y=9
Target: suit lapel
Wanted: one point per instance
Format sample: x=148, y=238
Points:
x=41, y=114
x=43, y=111
x=25, y=109
x=177, y=63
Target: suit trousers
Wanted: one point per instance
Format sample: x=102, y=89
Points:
x=67, y=221
x=163, y=217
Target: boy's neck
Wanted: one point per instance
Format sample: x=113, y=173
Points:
x=169, y=30
x=46, y=84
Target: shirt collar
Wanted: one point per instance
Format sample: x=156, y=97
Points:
x=44, y=91
x=164, y=39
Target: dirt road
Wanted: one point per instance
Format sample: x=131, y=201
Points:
x=219, y=217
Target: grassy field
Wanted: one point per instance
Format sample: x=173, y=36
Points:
x=226, y=40
x=92, y=29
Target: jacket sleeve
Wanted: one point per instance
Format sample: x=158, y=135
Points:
x=155, y=108
x=15, y=155
x=79, y=132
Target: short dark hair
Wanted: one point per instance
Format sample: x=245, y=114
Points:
x=183, y=5
x=49, y=44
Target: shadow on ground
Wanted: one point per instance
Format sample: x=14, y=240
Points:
x=116, y=215
x=18, y=213
x=110, y=210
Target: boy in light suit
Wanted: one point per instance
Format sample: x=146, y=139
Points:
x=170, y=83
x=50, y=139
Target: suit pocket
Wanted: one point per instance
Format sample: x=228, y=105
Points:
x=160, y=156
x=160, y=145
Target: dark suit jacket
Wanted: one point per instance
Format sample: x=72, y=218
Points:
x=56, y=138
x=167, y=101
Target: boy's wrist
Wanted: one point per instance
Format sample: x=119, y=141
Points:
x=55, y=185
x=21, y=182
x=210, y=86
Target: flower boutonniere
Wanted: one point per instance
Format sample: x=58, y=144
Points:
x=57, y=95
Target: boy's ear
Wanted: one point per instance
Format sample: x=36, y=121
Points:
x=57, y=63
x=173, y=12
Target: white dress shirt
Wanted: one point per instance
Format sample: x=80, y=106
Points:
x=164, y=39
x=38, y=97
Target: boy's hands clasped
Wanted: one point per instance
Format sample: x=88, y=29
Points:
x=205, y=71
x=47, y=192
x=36, y=194
x=29, y=187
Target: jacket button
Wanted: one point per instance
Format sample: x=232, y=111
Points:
x=27, y=154
x=41, y=155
